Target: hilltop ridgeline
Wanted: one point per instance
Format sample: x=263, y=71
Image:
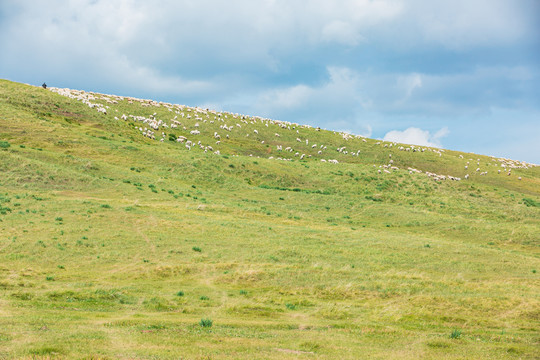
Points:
x=224, y=133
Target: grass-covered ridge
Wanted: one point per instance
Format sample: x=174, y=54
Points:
x=115, y=244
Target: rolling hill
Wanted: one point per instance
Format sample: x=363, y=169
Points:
x=138, y=229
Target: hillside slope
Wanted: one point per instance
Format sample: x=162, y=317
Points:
x=125, y=223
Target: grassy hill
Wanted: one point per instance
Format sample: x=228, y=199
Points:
x=142, y=230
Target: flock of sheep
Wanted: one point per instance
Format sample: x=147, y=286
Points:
x=191, y=121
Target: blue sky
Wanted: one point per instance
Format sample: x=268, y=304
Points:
x=463, y=75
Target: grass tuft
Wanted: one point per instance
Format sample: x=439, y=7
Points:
x=206, y=323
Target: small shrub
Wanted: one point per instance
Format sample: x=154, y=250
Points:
x=243, y=292
x=4, y=144
x=531, y=202
x=206, y=322
x=22, y=296
x=49, y=278
x=106, y=206
x=456, y=334
x=59, y=219
x=4, y=210
x=196, y=248
x=376, y=199
x=180, y=293
x=204, y=298
x=290, y=306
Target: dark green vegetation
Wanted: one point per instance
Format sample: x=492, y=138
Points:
x=115, y=245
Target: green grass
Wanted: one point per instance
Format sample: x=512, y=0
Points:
x=100, y=227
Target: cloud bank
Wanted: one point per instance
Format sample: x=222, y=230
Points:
x=416, y=136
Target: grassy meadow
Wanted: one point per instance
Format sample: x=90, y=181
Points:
x=114, y=245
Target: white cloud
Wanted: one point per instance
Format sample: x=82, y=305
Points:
x=339, y=90
x=460, y=24
x=287, y=98
x=417, y=136
x=341, y=32
x=409, y=82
